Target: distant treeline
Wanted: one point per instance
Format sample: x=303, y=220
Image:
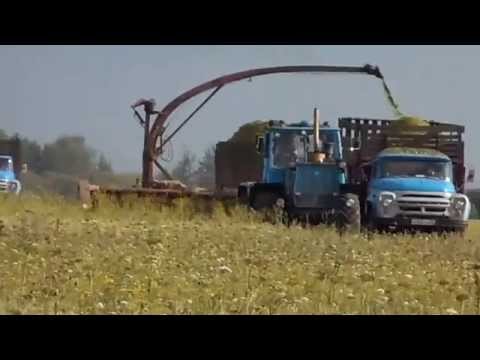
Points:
x=57, y=166
x=68, y=155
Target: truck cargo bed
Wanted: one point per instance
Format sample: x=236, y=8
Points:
x=376, y=135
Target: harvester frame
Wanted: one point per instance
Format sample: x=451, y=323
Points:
x=156, y=138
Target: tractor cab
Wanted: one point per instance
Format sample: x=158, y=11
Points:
x=286, y=147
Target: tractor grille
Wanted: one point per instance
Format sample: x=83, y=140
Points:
x=314, y=201
x=423, y=204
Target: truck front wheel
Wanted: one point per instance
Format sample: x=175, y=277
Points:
x=348, y=214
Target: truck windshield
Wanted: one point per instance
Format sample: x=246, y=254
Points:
x=5, y=164
x=288, y=149
x=415, y=168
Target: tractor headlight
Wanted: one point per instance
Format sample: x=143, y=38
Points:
x=350, y=203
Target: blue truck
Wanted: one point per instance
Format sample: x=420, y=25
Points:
x=407, y=179
x=10, y=166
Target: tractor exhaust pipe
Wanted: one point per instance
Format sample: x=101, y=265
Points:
x=316, y=130
x=316, y=156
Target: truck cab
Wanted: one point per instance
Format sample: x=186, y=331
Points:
x=8, y=181
x=411, y=188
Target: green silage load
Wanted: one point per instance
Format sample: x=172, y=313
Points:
x=247, y=133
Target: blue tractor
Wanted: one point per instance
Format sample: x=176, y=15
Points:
x=304, y=176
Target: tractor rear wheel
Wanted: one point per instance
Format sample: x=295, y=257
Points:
x=348, y=214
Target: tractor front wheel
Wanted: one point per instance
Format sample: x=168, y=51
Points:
x=348, y=214
x=271, y=204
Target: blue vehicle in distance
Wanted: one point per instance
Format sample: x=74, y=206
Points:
x=10, y=166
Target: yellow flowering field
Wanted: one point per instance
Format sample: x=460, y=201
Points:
x=58, y=258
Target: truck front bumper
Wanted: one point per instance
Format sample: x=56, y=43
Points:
x=425, y=223
x=6, y=187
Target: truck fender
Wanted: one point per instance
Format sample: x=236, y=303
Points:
x=18, y=187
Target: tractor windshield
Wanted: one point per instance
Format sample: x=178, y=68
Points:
x=415, y=168
x=327, y=139
x=289, y=149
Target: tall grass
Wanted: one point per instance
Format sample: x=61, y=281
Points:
x=192, y=258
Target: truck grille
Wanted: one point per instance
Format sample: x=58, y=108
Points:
x=3, y=186
x=423, y=204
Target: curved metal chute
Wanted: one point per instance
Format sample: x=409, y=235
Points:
x=216, y=84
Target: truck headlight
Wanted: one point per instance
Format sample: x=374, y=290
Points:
x=458, y=204
x=386, y=199
x=12, y=186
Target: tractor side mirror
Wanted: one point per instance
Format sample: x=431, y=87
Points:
x=471, y=176
x=260, y=144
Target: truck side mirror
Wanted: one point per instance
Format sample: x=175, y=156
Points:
x=471, y=176
x=260, y=144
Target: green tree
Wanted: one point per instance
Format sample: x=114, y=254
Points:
x=31, y=154
x=205, y=173
x=185, y=168
x=68, y=155
x=104, y=165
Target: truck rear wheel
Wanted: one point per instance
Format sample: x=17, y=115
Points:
x=348, y=214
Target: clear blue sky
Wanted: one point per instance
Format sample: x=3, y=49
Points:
x=47, y=91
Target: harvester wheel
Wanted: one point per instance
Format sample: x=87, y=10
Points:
x=348, y=214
